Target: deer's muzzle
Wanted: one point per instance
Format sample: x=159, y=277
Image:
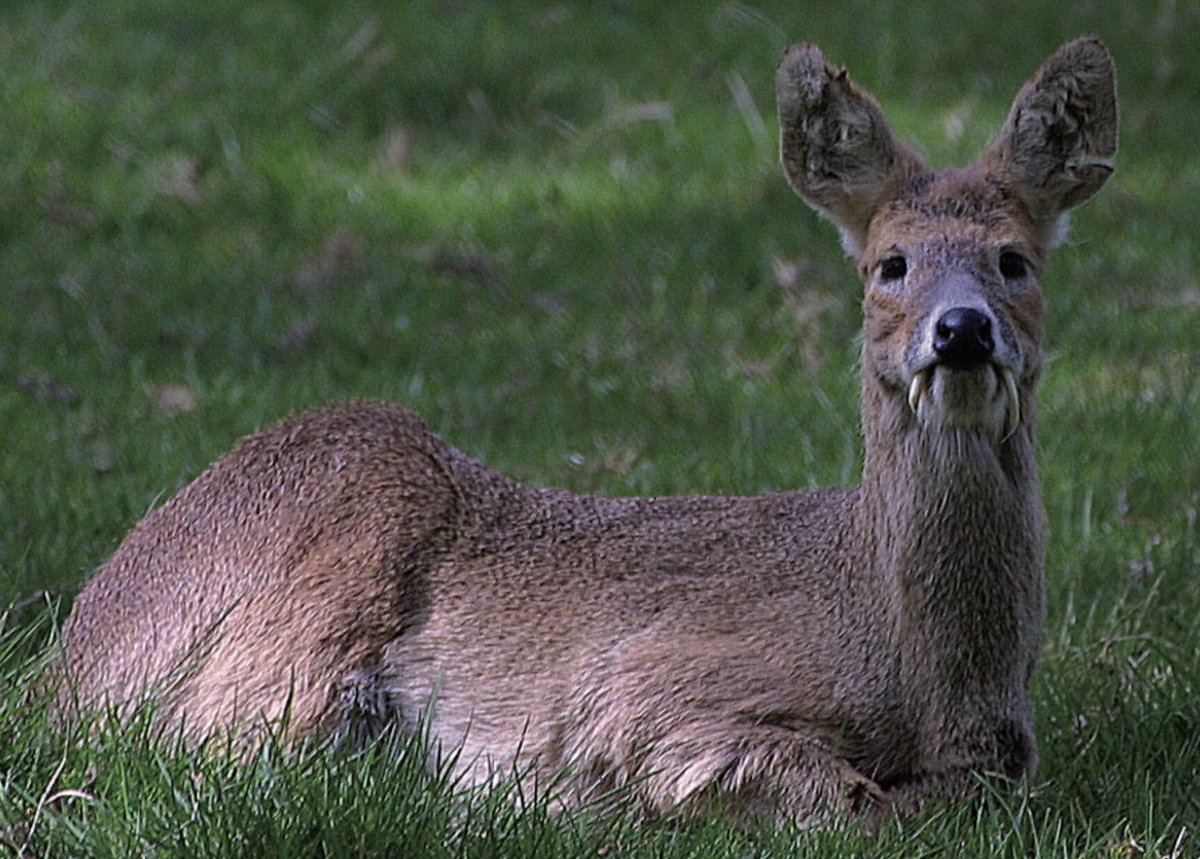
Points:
x=919, y=387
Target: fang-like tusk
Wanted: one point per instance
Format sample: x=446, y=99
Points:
x=916, y=389
x=1014, y=403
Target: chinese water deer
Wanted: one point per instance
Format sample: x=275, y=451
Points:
x=787, y=655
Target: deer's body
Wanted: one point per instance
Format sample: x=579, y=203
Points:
x=793, y=653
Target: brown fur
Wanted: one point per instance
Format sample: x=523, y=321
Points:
x=787, y=655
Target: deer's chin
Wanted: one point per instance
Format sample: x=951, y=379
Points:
x=984, y=398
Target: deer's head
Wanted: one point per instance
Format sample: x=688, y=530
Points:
x=951, y=259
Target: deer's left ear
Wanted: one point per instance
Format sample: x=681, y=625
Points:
x=1056, y=148
x=836, y=147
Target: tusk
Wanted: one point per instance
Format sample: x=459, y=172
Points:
x=916, y=389
x=1014, y=403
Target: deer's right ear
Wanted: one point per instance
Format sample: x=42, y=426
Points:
x=836, y=147
x=1056, y=148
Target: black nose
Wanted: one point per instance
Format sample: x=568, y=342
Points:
x=963, y=337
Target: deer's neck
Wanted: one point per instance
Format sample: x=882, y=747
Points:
x=952, y=523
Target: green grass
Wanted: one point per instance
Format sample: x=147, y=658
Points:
x=551, y=229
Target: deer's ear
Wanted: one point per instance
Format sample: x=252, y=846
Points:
x=1057, y=146
x=836, y=148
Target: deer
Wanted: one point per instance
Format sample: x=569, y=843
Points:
x=792, y=656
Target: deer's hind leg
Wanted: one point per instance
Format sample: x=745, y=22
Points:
x=301, y=655
x=302, y=648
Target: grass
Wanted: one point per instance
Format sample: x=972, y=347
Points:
x=554, y=230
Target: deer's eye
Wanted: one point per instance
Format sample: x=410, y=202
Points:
x=1013, y=266
x=893, y=268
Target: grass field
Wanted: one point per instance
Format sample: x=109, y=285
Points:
x=556, y=230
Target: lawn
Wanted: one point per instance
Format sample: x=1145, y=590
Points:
x=559, y=231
